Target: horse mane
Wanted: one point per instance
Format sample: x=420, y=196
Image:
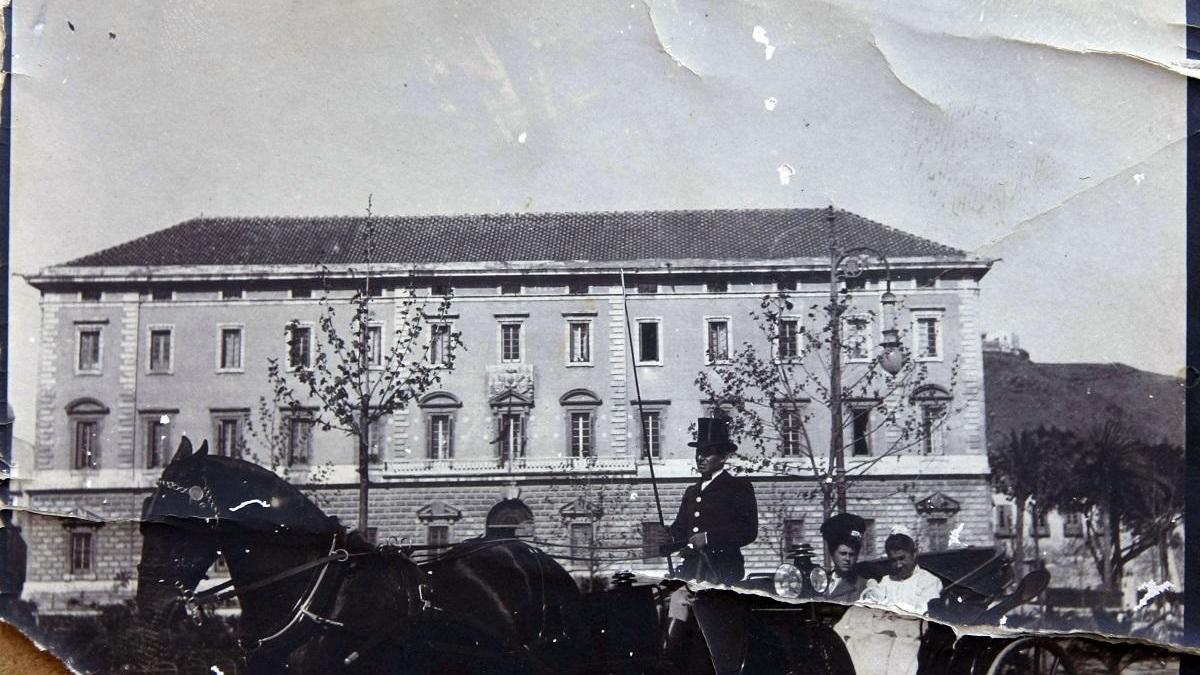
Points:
x=301, y=509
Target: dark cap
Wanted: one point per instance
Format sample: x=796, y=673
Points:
x=844, y=528
x=712, y=437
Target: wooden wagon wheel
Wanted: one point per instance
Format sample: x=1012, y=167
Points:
x=1032, y=656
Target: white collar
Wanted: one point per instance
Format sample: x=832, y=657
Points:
x=705, y=483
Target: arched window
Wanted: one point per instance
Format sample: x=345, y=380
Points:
x=510, y=518
x=580, y=414
x=934, y=403
x=85, y=417
x=439, y=409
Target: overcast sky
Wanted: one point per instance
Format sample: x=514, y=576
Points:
x=1047, y=136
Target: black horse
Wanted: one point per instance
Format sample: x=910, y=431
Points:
x=316, y=598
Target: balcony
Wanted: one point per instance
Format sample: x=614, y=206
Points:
x=496, y=467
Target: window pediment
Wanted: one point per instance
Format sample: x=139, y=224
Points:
x=439, y=399
x=438, y=511
x=580, y=508
x=938, y=504
x=580, y=397
x=86, y=406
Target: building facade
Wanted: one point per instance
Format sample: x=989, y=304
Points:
x=539, y=424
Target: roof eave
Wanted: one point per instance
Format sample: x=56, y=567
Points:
x=65, y=274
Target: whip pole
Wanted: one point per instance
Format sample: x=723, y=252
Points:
x=637, y=391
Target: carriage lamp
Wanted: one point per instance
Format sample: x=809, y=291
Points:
x=892, y=357
x=802, y=578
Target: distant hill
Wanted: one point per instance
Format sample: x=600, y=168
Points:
x=1021, y=394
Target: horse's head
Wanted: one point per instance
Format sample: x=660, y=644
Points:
x=178, y=538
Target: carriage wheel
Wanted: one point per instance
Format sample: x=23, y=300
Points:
x=1032, y=656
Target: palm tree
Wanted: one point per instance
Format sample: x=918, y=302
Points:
x=1028, y=467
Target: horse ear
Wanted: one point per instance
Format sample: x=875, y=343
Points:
x=184, y=451
x=203, y=448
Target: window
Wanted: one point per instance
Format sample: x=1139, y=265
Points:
x=581, y=434
x=652, y=434
x=439, y=289
x=510, y=429
x=581, y=541
x=1041, y=527
x=1004, y=520
x=927, y=281
x=937, y=534
x=791, y=433
x=229, y=435
x=868, y=540
x=229, y=358
x=857, y=338
x=441, y=436
x=162, y=295
x=649, y=341
x=158, y=439
x=299, y=346
x=88, y=340
x=375, y=346
x=1072, y=524
x=510, y=343
x=91, y=295
x=578, y=288
x=927, y=337
x=80, y=552
x=932, y=417
x=86, y=451
x=377, y=438
x=647, y=288
x=439, y=344
x=299, y=438
x=374, y=291
x=856, y=283
x=785, y=285
x=717, y=286
x=301, y=292
x=717, y=341
x=793, y=533
x=437, y=537
x=160, y=350
x=232, y=293
x=861, y=431
x=654, y=535
x=579, y=335
x=787, y=342
x=510, y=288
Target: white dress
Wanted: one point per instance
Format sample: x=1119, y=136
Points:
x=883, y=643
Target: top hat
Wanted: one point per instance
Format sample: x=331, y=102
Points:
x=712, y=436
x=844, y=528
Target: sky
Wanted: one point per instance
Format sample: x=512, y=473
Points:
x=1045, y=134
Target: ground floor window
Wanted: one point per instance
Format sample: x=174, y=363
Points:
x=80, y=553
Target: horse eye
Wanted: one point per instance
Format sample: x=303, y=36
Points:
x=195, y=493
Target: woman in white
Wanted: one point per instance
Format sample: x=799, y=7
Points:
x=882, y=642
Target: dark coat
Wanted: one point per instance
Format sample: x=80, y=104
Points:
x=847, y=590
x=727, y=511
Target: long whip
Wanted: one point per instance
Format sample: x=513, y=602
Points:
x=637, y=391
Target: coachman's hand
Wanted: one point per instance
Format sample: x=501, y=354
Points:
x=698, y=541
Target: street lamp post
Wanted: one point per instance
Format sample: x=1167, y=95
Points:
x=847, y=264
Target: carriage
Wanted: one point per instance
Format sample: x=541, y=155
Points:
x=316, y=598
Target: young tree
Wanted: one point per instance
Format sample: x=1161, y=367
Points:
x=773, y=388
x=353, y=379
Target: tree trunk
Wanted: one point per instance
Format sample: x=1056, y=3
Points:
x=364, y=478
x=1019, y=540
x=1116, y=565
x=1037, y=539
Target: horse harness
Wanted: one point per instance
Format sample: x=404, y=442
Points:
x=305, y=616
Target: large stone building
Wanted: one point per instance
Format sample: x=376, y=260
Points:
x=536, y=423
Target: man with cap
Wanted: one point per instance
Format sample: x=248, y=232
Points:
x=843, y=534
x=718, y=516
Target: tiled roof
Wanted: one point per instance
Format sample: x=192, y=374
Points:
x=749, y=234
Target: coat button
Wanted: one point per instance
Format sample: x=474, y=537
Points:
x=695, y=529
x=697, y=500
x=696, y=514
